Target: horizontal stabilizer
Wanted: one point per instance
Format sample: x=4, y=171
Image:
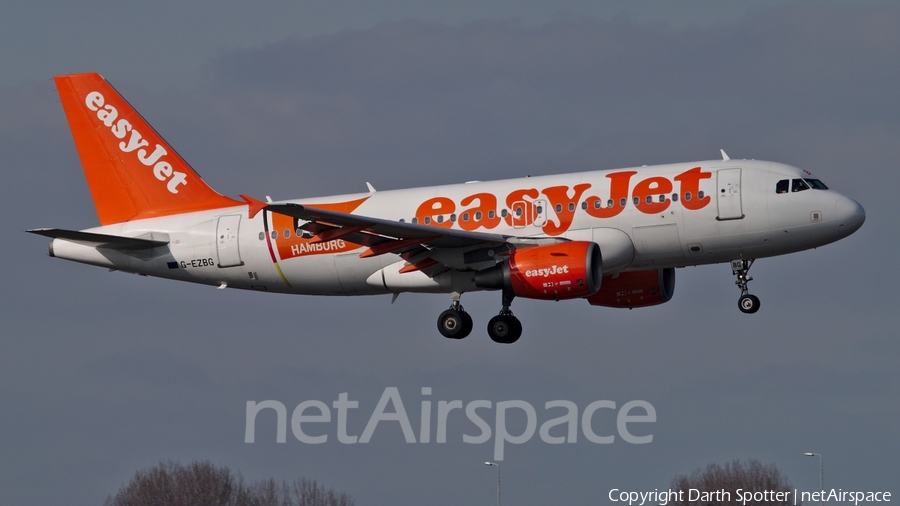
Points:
x=100, y=240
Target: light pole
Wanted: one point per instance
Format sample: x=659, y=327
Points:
x=498, y=479
x=821, y=475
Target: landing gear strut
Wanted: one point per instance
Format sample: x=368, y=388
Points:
x=505, y=328
x=455, y=323
x=747, y=303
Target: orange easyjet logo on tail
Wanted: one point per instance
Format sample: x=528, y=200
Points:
x=136, y=143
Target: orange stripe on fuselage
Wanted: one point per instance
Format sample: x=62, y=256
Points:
x=294, y=246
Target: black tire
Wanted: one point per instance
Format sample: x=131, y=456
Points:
x=504, y=329
x=451, y=324
x=516, y=330
x=749, y=304
x=467, y=325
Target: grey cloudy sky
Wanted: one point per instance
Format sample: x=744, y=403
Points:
x=103, y=373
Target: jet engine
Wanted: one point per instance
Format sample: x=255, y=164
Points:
x=559, y=271
x=636, y=289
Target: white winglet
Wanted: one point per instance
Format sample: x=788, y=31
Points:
x=724, y=155
x=371, y=188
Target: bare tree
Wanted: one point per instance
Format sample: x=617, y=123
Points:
x=203, y=484
x=720, y=485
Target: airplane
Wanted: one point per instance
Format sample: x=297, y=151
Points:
x=611, y=237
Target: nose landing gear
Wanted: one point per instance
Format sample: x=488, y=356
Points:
x=747, y=303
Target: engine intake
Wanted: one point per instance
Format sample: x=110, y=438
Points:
x=560, y=271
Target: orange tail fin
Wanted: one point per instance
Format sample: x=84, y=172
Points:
x=131, y=171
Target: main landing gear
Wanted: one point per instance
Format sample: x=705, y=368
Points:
x=747, y=303
x=505, y=328
x=455, y=323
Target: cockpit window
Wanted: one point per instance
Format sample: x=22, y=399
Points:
x=816, y=184
x=798, y=185
x=782, y=186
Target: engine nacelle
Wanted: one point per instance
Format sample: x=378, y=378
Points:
x=636, y=289
x=559, y=271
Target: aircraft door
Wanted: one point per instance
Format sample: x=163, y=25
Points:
x=520, y=210
x=728, y=194
x=227, y=241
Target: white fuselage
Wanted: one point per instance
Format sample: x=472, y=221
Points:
x=673, y=216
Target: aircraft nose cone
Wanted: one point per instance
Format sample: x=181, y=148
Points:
x=850, y=215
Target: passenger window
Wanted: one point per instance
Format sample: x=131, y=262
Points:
x=609, y=203
x=504, y=213
x=559, y=208
x=798, y=185
x=453, y=217
x=637, y=200
x=491, y=214
x=274, y=235
x=571, y=206
x=478, y=215
x=415, y=221
x=781, y=186
x=427, y=220
x=262, y=236
x=622, y=202
x=674, y=197
x=687, y=195
x=584, y=206
x=440, y=219
x=700, y=194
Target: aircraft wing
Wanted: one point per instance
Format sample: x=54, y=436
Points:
x=423, y=247
x=373, y=231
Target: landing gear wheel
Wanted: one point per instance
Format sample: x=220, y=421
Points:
x=504, y=329
x=749, y=303
x=467, y=325
x=740, y=267
x=454, y=324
